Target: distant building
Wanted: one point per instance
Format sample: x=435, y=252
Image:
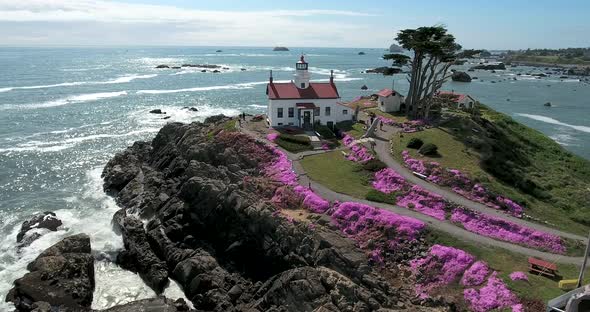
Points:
x=389, y=101
x=302, y=103
x=461, y=100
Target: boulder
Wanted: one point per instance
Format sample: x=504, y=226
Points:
x=218, y=51
x=61, y=276
x=242, y=69
x=216, y=71
x=461, y=76
x=46, y=220
x=548, y=104
x=175, y=67
x=490, y=66
x=361, y=53
x=160, y=304
x=162, y=66
x=385, y=70
x=364, y=87
x=157, y=111
x=139, y=257
x=280, y=49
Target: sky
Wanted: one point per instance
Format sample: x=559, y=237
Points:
x=500, y=24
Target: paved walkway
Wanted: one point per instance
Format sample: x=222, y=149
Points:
x=444, y=226
x=383, y=150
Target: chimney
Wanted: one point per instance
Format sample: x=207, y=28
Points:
x=331, y=76
x=270, y=76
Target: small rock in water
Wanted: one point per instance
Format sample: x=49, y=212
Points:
x=167, y=117
x=548, y=104
x=162, y=66
x=157, y=111
x=364, y=87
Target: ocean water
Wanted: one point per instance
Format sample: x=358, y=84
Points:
x=64, y=112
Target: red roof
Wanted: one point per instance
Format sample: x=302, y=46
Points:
x=288, y=91
x=386, y=92
x=457, y=96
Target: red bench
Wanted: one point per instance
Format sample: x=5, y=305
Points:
x=542, y=267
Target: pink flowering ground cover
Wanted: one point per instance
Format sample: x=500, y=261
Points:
x=519, y=276
x=272, y=136
x=312, y=201
x=476, y=274
x=410, y=196
x=494, y=295
x=501, y=229
x=358, y=153
x=461, y=184
x=365, y=224
x=440, y=267
x=407, y=126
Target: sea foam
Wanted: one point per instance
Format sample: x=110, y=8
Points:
x=550, y=120
x=122, y=79
x=65, y=101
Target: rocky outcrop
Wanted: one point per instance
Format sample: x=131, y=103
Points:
x=160, y=304
x=461, y=76
x=361, y=53
x=215, y=230
x=386, y=71
x=394, y=48
x=27, y=234
x=62, y=276
x=162, y=66
x=579, y=71
x=210, y=66
x=157, y=111
x=280, y=49
x=489, y=66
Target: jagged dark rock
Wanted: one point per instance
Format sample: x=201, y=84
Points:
x=162, y=66
x=61, y=276
x=386, y=71
x=461, y=76
x=215, y=232
x=490, y=66
x=46, y=220
x=280, y=49
x=157, y=111
x=160, y=304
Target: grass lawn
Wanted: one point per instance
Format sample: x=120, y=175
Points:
x=506, y=262
x=561, y=174
x=356, y=130
x=399, y=117
x=337, y=173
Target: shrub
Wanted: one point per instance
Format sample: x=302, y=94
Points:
x=377, y=196
x=415, y=143
x=374, y=165
x=298, y=139
x=324, y=131
x=428, y=149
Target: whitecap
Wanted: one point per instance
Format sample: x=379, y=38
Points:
x=555, y=122
x=258, y=106
x=122, y=79
x=65, y=101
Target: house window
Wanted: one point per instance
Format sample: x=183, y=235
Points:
x=291, y=112
x=327, y=111
x=280, y=112
x=330, y=124
x=303, y=85
x=316, y=111
x=345, y=112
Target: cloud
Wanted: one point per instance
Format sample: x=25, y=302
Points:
x=75, y=21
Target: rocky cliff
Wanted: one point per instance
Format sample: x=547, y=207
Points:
x=211, y=225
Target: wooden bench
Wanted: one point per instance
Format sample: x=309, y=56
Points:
x=542, y=267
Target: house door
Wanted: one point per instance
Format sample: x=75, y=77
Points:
x=306, y=120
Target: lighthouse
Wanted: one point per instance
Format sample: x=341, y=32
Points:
x=302, y=103
x=301, y=74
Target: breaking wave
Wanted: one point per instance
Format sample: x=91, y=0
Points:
x=122, y=79
x=556, y=122
x=65, y=101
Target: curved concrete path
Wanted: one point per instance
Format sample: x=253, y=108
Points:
x=444, y=226
x=383, y=150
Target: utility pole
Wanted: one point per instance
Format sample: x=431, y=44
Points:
x=584, y=263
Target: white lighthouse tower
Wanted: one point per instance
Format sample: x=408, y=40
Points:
x=301, y=74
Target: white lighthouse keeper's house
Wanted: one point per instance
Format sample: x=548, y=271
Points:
x=302, y=103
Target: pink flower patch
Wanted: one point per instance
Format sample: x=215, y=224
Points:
x=424, y=201
x=518, y=276
x=272, y=136
x=494, y=295
x=476, y=274
x=358, y=153
x=311, y=200
x=441, y=266
x=504, y=230
x=388, y=180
